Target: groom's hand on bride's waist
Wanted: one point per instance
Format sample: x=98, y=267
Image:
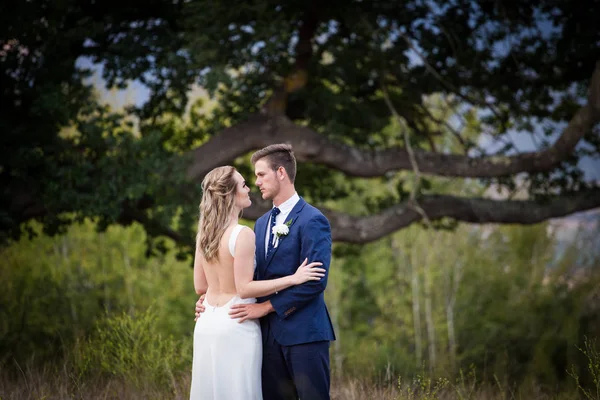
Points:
x=250, y=311
x=199, y=307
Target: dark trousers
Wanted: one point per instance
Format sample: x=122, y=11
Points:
x=292, y=372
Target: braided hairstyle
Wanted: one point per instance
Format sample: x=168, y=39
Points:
x=218, y=199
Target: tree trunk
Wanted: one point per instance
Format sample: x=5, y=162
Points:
x=453, y=277
x=128, y=277
x=429, y=317
x=71, y=284
x=402, y=272
x=338, y=357
x=451, y=335
x=414, y=269
x=102, y=260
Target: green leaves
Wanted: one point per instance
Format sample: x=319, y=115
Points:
x=505, y=296
x=96, y=286
x=131, y=348
x=462, y=76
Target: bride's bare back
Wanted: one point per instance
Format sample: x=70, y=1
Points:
x=233, y=273
x=220, y=275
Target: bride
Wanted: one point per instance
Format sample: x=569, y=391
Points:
x=228, y=354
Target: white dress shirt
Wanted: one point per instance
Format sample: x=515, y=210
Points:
x=285, y=208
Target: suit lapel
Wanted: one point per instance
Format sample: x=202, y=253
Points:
x=260, y=240
x=292, y=215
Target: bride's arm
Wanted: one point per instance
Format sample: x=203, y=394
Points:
x=200, y=283
x=243, y=269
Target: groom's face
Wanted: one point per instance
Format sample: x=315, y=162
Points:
x=266, y=179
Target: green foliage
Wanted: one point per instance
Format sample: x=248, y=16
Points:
x=455, y=72
x=521, y=310
x=502, y=295
x=54, y=290
x=132, y=348
x=45, y=90
x=592, y=355
x=423, y=387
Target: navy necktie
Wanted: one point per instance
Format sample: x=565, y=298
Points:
x=274, y=213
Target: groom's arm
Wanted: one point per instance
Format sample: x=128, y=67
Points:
x=316, y=246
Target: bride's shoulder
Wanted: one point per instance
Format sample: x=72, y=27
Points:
x=246, y=233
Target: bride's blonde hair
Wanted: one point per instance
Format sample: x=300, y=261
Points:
x=218, y=199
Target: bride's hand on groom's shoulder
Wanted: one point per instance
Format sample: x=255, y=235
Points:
x=199, y=307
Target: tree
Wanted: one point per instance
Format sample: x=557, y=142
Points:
x=329, y=79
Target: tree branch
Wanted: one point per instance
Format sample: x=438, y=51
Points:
x=232, y=142
x=473, y=210
x=262, y=130
x=364, y=229
x=411, y=156
x=298, y=77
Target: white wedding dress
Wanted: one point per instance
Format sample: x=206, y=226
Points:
x=227, y=354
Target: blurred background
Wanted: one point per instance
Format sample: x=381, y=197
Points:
x=453, y=145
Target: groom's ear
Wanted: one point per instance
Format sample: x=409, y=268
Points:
x=281, y=173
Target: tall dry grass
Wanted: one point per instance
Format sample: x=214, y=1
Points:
x=68, y=381
x=51, y=384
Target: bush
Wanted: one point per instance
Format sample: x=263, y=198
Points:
x=592, y=355
x=54, y=290
x=129, y=347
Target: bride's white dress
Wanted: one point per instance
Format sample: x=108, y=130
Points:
x=227, y=354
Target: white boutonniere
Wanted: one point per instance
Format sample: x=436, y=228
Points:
x=282, y=229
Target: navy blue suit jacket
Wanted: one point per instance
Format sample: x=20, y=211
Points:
x=300, y=315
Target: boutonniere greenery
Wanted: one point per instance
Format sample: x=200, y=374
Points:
x=282, y=229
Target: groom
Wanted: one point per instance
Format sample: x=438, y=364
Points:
x=296, y=328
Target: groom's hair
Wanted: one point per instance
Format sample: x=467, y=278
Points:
x=278, y=155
